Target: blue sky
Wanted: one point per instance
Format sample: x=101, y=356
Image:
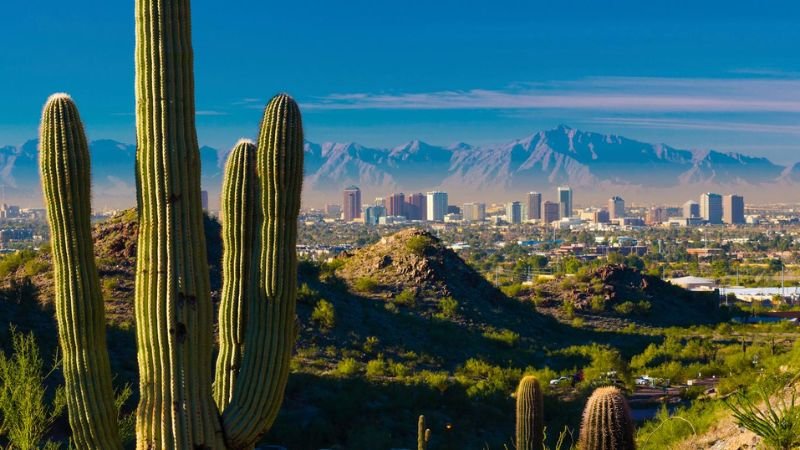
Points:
x=724, y=75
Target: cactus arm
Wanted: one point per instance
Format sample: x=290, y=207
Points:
x=530, y=414
x=79, y=304
x=173, y=305
x=239, y=229
x=271, y=329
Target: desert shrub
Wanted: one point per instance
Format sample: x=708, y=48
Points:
x=625, y=308
x=347, y=368
x=569, y=309
x=371, y=344
x=448, y=307
x=502, y=336
x=35, y=267
x=12, y=262
x=391, y=307
x=377, y=368
x=110, y=284
x=439, y=381
x=324, y=314
x=513, y=290
x=25, y=415
x=306, y=294
x=366, y=285
x=578, y=322
x=406, y=298
x=418, y=244
x=484, y=380
x=598, y=303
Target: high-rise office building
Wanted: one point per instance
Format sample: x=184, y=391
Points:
x=373, y=214
x=534, y=206
x=352, y=203
x=396, y=205
x=733, y=209
x=691, y=209
x=333, y=210
x=551, y=211
x=565, y=201
x=711, y=207
x=380, y=201
x=616, y=207
x=656, y=215
x=514, y=212
x=437, y=206
x=415, y=207
x=473, y=212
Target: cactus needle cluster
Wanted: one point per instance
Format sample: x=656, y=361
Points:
x=179, y=406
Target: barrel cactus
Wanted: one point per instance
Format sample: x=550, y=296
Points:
x=607, y=422
x=530, y=414
x=179, y=406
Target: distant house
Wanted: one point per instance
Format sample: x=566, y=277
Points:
x=694, y=283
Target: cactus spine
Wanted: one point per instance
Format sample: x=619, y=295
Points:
x=239, y=229
x=607, y=423
x=271, y=329
x=80, y=315
x=530, y=414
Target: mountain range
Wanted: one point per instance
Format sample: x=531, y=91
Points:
x=594, y=165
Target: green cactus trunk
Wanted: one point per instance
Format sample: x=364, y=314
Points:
x=607, y=422
x=173, y=304
x=79, y=304
x=423, y=434
x=240, y=220
x=530, y=414
x=270, y=330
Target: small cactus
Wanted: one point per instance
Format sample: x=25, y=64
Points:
x=423, y=434
x=607, y=423
x=530, y=414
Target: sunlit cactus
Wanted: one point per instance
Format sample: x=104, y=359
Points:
x=260, y=204
x=530, y=414
x=64, y=161
x=423, y=434
x=607, y=422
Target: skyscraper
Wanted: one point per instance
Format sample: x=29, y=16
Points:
x=733, y=209
x=352, y=203
x=514, y=212
x=415, y=207
x=437, y=206
x=616, y=207
x=395, y=205
x=691, y=209
x=711, y=207
x=372, y=214
x=565, y=201
x=534, y=206
x=551, y=211
x=656, y=215
x=473, y=212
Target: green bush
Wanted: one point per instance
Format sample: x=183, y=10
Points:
x=347, y=368
x=598, y=303
x=406, y=298
x=324, y=314
x=377, y=368
x=25, y=415
x=366, y=285
x=448, y=308
x=11, y=263
x=418, y=244
x=625, y=308
x=502, y=336
x=306, y=294
x=35, y=267
x=513, y=290
x=371, y=344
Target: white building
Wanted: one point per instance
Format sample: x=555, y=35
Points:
x=437, y=205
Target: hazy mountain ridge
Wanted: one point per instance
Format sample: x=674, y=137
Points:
x=562, y=155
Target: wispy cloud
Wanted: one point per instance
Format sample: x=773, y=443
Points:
x=635, y=94
x=210, y=113
x=681, y=124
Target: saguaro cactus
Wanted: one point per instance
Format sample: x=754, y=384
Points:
x=64, y=160
x=607, y=423
x=423, y=434
x=240, y=215
x=530, y=414
x=173, y=308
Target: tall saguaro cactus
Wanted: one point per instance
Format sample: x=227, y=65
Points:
x=64, y=160
x=530, y=414
x=261, y=203
x=607, y=422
